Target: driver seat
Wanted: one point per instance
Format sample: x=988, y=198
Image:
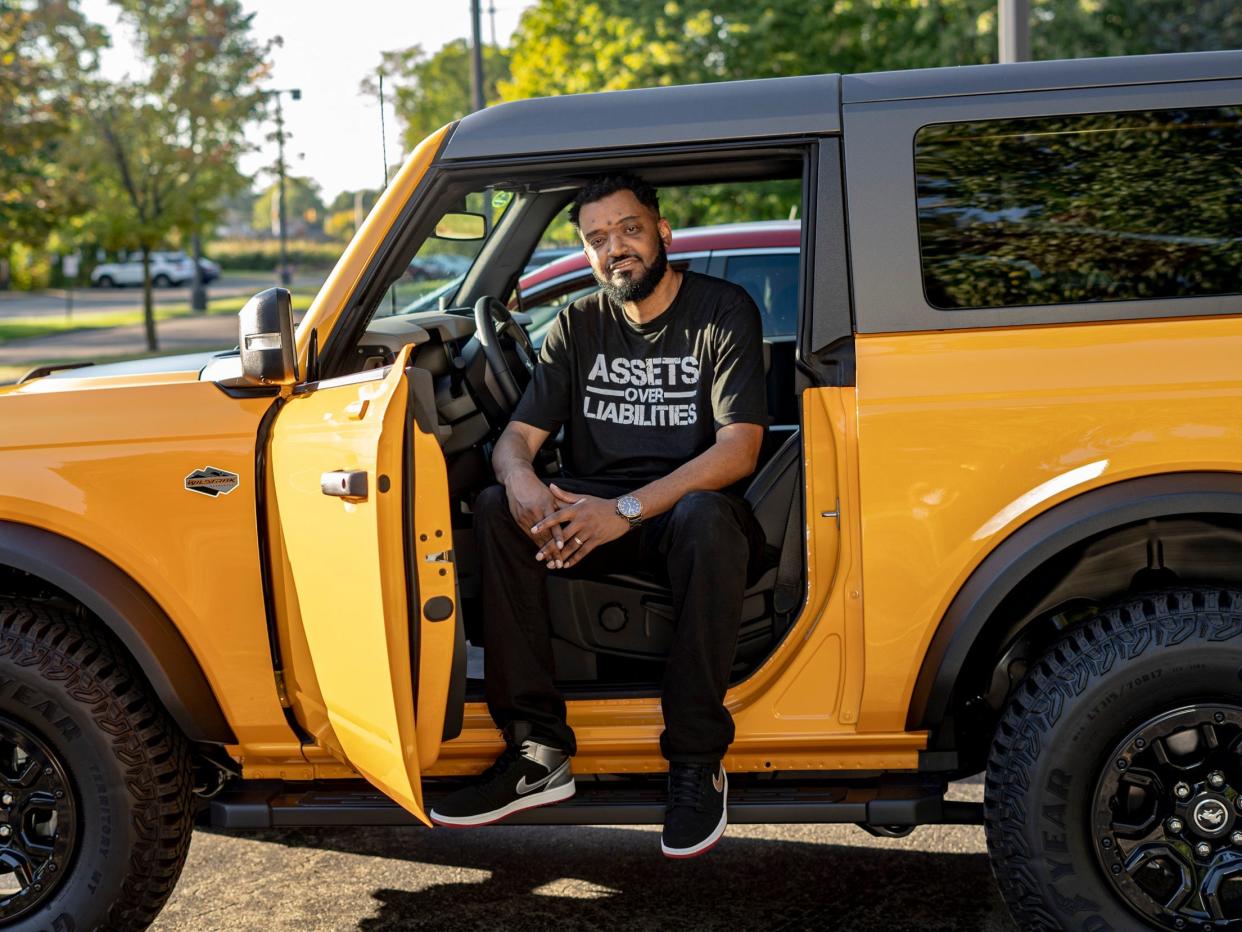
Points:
x=629, y=617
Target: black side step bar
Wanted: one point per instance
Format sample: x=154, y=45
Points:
x=604, y=801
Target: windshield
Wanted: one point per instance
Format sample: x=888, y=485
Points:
x=431, y=300
x=436, y=271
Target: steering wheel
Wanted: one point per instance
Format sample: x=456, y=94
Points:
x=492, y=322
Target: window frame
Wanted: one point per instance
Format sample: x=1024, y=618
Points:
x=883, y=210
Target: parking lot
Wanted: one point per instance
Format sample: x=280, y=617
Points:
x=825, y=877
x=54, y=302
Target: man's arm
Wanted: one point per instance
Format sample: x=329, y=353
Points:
x=529, y=499
x=730, y=459
x=585, y=521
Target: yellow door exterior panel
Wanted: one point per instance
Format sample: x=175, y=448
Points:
x=964, y=436
x=110, y=474
x=347, y=572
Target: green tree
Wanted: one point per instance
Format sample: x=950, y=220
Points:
x=138, y=177
x=205, y=66
x=431, y=90
x=45, y=48
x=304, y=206
x=345, y=213
x=564, y=46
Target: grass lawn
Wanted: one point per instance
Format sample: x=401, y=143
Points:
x=21, y=328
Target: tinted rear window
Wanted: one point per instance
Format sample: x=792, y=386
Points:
x=1069, y=209
x=772, y=280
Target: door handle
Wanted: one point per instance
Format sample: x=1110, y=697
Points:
x=344, y=483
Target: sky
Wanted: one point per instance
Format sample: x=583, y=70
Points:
x=333, y=132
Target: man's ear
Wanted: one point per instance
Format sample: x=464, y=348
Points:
x=666, y=232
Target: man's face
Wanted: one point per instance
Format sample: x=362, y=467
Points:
x=625, y=242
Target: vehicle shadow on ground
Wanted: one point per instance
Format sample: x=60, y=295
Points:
x=609, y=878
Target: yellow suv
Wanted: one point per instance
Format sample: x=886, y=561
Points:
x=1002, y=492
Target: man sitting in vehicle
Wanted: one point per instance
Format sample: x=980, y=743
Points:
x=658, y=381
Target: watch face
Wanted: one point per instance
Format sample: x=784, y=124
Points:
x=629, y=506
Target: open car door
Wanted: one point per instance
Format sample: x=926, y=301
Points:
x=359, y=488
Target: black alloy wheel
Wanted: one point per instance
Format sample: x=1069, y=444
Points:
x=38, y=821
x=1113, y=784
x=1168, y=817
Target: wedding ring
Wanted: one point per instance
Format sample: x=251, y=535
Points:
x=577, y=540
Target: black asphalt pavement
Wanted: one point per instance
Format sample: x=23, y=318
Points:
x=760, y=877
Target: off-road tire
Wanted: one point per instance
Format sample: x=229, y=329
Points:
x=1146, y=655
x=127, y=763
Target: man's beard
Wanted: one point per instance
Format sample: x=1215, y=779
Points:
x=640, y=283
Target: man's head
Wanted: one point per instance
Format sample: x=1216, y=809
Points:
x=623, y=235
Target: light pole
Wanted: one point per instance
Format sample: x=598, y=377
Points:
x=294, y=94
x=1013, y=30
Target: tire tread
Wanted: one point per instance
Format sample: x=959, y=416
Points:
x=149, y=747
x=1123, y=632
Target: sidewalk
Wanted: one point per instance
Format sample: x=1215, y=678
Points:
x=182, y=334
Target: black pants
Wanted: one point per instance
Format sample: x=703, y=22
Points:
x=706, y=548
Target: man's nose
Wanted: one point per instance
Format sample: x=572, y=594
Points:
x=613, y=244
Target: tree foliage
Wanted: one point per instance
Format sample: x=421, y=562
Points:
x=205, y=64
x=345, y=214
x=431, y=90
x=565, y=47
x=45, y=48
x=303, y=206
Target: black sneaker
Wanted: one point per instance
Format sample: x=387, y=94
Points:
x=522, y=778
x=697, y=813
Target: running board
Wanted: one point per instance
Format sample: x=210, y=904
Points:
x=884, y=803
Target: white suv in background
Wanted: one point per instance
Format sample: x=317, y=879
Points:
x=167, y=269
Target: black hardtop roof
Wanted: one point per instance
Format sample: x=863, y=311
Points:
x=1041, y=76
x=691, y=113
x=769, y=108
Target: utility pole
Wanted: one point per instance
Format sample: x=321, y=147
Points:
x=294, y=94
x=1013, y=30
x=476, y=57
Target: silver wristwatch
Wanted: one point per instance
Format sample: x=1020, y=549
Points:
x=631, y=509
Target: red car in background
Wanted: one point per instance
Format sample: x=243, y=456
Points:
x=761, y=256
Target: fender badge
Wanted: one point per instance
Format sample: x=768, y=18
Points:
x=211, y=481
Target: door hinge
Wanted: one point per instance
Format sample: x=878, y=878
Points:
x=281, y=692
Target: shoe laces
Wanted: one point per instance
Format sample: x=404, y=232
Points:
x=687, y=784
x=501, y=764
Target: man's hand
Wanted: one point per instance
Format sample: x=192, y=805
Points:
x=529, y=503
x=584, y=523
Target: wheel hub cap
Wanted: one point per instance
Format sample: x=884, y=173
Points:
x=1166, y=815
x=1211, y=816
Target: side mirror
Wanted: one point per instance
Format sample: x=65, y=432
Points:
x=265, y=336
x=461, y=226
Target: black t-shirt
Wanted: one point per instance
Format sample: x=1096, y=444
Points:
x=638, y=400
